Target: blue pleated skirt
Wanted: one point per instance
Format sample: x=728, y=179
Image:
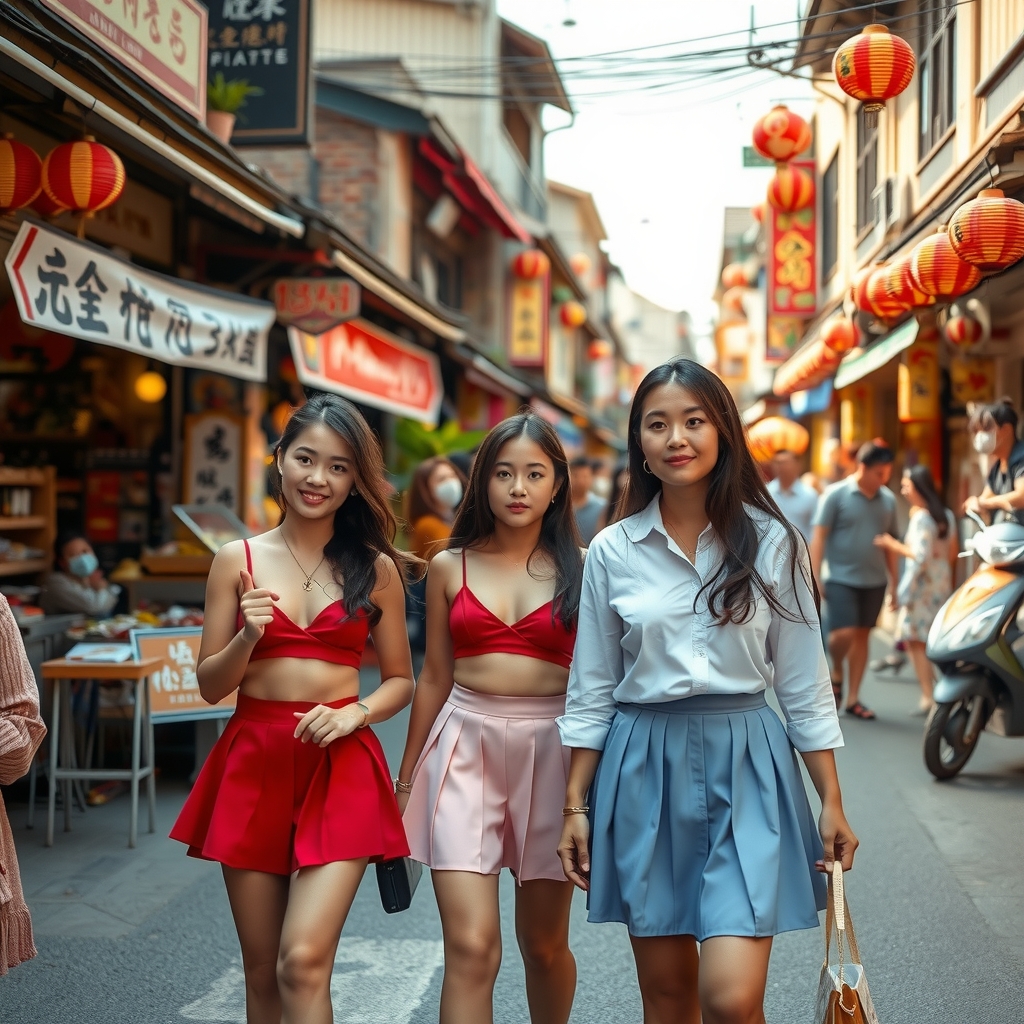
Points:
x=700, y=823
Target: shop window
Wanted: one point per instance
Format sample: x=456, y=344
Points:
x=936, y=74
x=518, y=128
x=830, y=218
x=867, y=173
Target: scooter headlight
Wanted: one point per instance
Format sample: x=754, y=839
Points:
x=963, y=634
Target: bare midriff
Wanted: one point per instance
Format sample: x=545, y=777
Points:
x=511, y=675
x=299, y=679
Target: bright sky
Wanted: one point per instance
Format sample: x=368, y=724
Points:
x=663, y=165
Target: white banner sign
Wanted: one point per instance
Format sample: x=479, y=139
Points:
x=72, y=287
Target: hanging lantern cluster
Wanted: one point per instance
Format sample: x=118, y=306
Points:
x=937, y=270
x=530, y=264
x=808, y=368
x=20, y=174
x=774, y=434
x=873, y=67
x=840, y=335
x=899, y=285
x=988, y=232
x=782, y=136
x=572, y=314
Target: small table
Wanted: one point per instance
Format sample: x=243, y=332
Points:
x=63, y=672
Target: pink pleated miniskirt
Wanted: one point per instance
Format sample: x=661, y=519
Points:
x=488, y=789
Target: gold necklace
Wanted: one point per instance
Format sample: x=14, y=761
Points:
x=308, y=585
x=676, y=536
x=508, y=557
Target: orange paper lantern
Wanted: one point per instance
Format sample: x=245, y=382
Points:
x=573, y=314
x=20, y=174
x=791, y=189
x=963, y=330
x=937, y=270
x=880, y=302
x=873, y=67
x=733, y=300
x=734, y=276
x=839, y=335
x=781, y=135
x=83, y=176
x=531, y=263
x=899, y=284
x=988, y=232
x=580, y=263
x=598, y=349
x=776, y=434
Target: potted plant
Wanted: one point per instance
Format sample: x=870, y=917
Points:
x=223, y=101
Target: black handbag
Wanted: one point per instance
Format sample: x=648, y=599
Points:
x=397, y=880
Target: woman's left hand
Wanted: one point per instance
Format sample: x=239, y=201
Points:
x=837, y=838
x=883, y=540
x=322, y=725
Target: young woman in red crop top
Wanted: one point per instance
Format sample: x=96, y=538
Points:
x=483, y=770
x=295, y=797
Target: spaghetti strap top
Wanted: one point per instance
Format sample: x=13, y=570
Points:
x=476, y=630
x=332, y=636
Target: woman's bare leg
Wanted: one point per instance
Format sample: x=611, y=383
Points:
x=258, y=901
x=468, y=903
x=923, y=668
x=667, y=970
x=542, y=928
x=318, y=904
x=733, y=976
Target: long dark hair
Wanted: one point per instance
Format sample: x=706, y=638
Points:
x=420, y=502
x=559, y=535
x=735, y=483
x=364, y=526
x=921, y=477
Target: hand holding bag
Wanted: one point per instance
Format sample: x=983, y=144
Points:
x=397, y=880
x=843, y=996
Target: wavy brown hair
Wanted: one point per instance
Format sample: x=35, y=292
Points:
x=559, y=536
x=735, y=483
x=364, y=526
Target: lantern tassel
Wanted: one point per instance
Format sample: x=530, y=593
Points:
x=871, y=114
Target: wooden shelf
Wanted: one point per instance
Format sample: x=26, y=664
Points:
x=23, y=567
x=12, y=477
x=22, y=522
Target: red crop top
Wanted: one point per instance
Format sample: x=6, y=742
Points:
x=332, y=636
x=475, y=629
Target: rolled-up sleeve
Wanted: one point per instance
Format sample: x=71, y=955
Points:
x=801, y=677
x=597, y=660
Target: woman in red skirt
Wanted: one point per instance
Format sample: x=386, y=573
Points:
x=295, y=798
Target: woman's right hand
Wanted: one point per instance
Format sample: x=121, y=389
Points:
x=574, y=849
x=402, y=799
x=256, y=606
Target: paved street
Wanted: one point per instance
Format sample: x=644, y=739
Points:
x=145, y=935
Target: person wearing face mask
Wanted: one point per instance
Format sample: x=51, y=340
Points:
x=994, y=433
x=78, y=585
x=434, y=494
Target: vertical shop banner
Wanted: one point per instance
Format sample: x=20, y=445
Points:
x=82, y=290
x=792, y=257
x=784, y=334
x=266, y=44
x=917, y=392
x=162, y=41
x=213, y=460
x=972, y=379
x=528, y=321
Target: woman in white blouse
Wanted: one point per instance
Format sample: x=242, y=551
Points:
x=698, y=829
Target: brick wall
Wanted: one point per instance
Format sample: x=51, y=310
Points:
x=288, y=166
x=347, y=155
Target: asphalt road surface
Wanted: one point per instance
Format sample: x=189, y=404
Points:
x=937, y=895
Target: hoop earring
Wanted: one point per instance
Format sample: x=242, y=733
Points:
x=647, y=469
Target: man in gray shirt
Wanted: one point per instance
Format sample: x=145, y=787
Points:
x=849, y=516
x=586, y=506
x=796, y=501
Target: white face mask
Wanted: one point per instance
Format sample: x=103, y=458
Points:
x=984, y=442
x=448, y=492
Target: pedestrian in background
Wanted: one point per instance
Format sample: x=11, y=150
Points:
x=930, y=548
x=434, y=493
x=795, y=499
x=685, y=814
x=850, y=515
x=21, y=732
x=484, y=769
x=619, y=477
x=78, y=583
x=586, y=505
x=994, y=433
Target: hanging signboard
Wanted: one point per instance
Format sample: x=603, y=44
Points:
x=528, y=321
x=162, y=41
x=792, y=259
x=266, y=43
x=75, y=288
x=316, y=304
x=213, y=460
x=362, y=362
x=784, y=333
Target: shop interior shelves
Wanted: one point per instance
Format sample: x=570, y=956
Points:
x=24, y=566
x=22, y=522
x=36, y=529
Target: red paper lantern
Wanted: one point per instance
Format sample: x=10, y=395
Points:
x=46, y=207
x=776, y=434
x=573, y=314
x=598, y=349
x=580, y=264
x=880, y=302
x=531, y=263
x=83, y=176
x=734, y=276
x=963, y=330
x=839, y=335
x=988, y=232
x=733, y=300
x=937, y=270
x=757, y=212
x=20, y=174
x=791, y=189
x=873, y=67
x=781, y=135
x=899, y=284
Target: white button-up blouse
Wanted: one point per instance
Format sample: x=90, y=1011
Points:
x=641, y=641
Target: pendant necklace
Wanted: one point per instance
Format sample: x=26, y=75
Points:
x=308, y=585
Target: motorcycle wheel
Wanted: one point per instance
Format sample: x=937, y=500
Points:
x=945, y=749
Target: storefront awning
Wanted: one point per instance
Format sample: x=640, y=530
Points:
x=860, y=364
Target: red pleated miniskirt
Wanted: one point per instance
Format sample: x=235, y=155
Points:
x=265, y=801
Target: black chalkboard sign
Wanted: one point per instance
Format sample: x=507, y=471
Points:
x=266, y=43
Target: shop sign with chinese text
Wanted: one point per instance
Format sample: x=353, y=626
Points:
x=792, y=258
x=528, y=321
x=162, y=41
x=316, y=304
x=213, y=460
x=366, y=364
x=76, y=288
x=265, y=42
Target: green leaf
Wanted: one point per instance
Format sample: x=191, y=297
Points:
x=229, y=96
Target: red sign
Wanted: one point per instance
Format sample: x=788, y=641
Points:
x=366, y=364
x=316, y=304
x=792, y=258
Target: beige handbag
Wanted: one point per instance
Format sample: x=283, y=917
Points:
x=843, y=996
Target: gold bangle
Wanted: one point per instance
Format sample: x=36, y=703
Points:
x=566, y=811
x=402, y=787
x=366, y=711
